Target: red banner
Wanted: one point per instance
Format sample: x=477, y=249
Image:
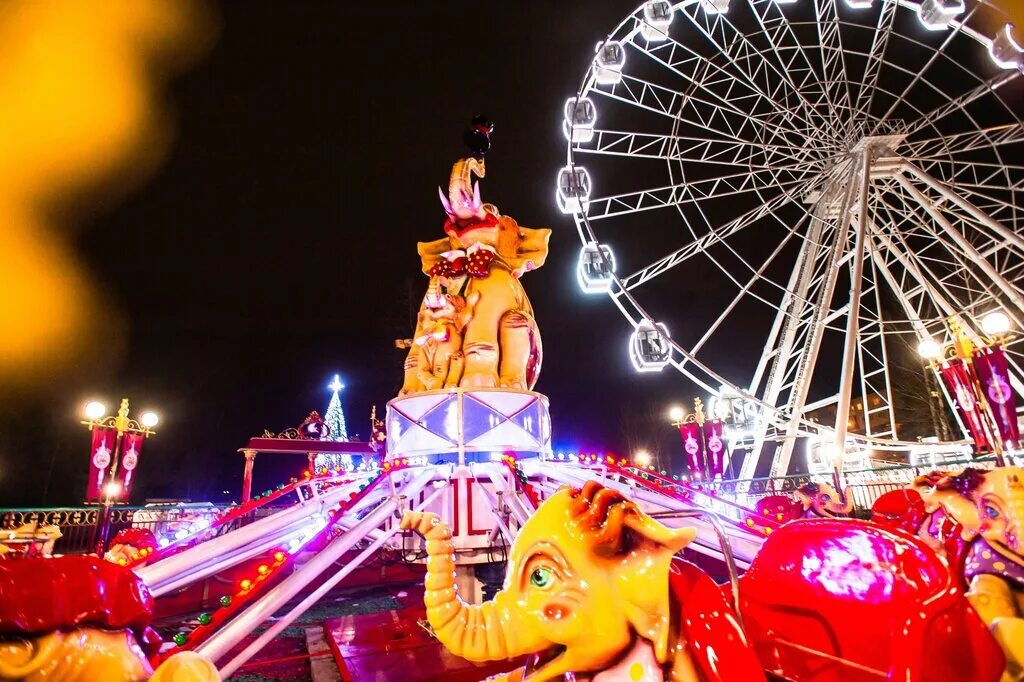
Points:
x=959, y=381
x=994, y=377
x=690, y=433
x=101, y=454
x=131, y=448
x=715, y=448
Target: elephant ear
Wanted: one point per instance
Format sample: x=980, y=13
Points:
x=523, y=248
x=643, y=584
x=430, y=252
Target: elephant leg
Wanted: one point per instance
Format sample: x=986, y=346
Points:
x=411, y=382
x=992, y=597
x=441, y=366
x=1009, y=632
x=481, y=365
x=516, y=330
x=425, y=370
x=456, y=365
x=480, y=337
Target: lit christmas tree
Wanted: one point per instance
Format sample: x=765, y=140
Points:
x=335, y=420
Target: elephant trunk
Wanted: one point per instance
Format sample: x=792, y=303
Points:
x=463, y=194
x=1015, y=527
x=489, y=632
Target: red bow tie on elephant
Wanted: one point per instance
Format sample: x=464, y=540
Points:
x=457, y=264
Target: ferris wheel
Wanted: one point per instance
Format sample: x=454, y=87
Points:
x=785, y=198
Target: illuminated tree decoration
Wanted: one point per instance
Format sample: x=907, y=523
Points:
x=335, y=420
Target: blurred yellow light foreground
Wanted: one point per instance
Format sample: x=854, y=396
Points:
x=79, y=113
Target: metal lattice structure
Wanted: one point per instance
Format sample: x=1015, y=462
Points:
x=840, y=179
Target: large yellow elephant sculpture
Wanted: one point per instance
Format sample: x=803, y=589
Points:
x=474, y=293
x=592, y=589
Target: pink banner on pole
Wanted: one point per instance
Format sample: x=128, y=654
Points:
x=131, y=448
x=994, y=377
x=690, y=433
x=959, y=382
x=715, y=448
x=104, y=440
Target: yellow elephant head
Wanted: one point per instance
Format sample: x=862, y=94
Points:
x=586, y=572
x=520, y=248
x=986, y=503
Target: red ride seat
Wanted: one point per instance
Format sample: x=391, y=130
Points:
x=840, y=600
x=709, y=628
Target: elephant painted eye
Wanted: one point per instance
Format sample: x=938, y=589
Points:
x=541, y=577
x=991, y=512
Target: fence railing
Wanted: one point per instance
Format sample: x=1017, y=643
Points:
x=865, y=486
x=79, y=525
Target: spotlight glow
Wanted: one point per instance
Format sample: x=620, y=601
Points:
x=995, y=323
x=95, y=410
x=929, y=349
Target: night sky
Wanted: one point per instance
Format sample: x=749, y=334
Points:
x=277, y=243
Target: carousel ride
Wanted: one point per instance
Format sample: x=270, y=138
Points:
x=595, y=586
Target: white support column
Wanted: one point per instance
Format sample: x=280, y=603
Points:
x=852, y=323
x=1007, y=289
x=816, y=330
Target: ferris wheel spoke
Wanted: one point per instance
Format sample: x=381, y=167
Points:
x=869, y=82
x=745, y=291
x=962, y=243
x=729, y=122
x=680, y=194
x=707, y=76
x=645, y=96
x=937, y=284
x=958, y=27
x=737, y=52
x=966, y=142
x=960, y=103
x=831, y=53
x=961, y=259
x=704, y=243
x=977, y=213
x=779, y=32
x=684, y=148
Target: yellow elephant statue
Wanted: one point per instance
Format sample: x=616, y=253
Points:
x=479, y=261
x=593, y=591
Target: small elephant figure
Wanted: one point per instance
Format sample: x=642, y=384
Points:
x=976, y=519
x=438, y=349
x=824, y=501
x=593, y=591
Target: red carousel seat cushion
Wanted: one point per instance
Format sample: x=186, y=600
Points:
x=834, y=600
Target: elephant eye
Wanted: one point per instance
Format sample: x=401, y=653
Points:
x=541, y=577
x=991, y=512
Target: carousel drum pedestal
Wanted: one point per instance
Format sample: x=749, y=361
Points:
x=467, y=428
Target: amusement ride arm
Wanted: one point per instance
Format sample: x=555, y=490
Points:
x=184, y=567
x=233, y=632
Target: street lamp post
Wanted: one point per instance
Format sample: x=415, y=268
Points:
x=697, y=450
x=996, y=326
x=111, y=490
